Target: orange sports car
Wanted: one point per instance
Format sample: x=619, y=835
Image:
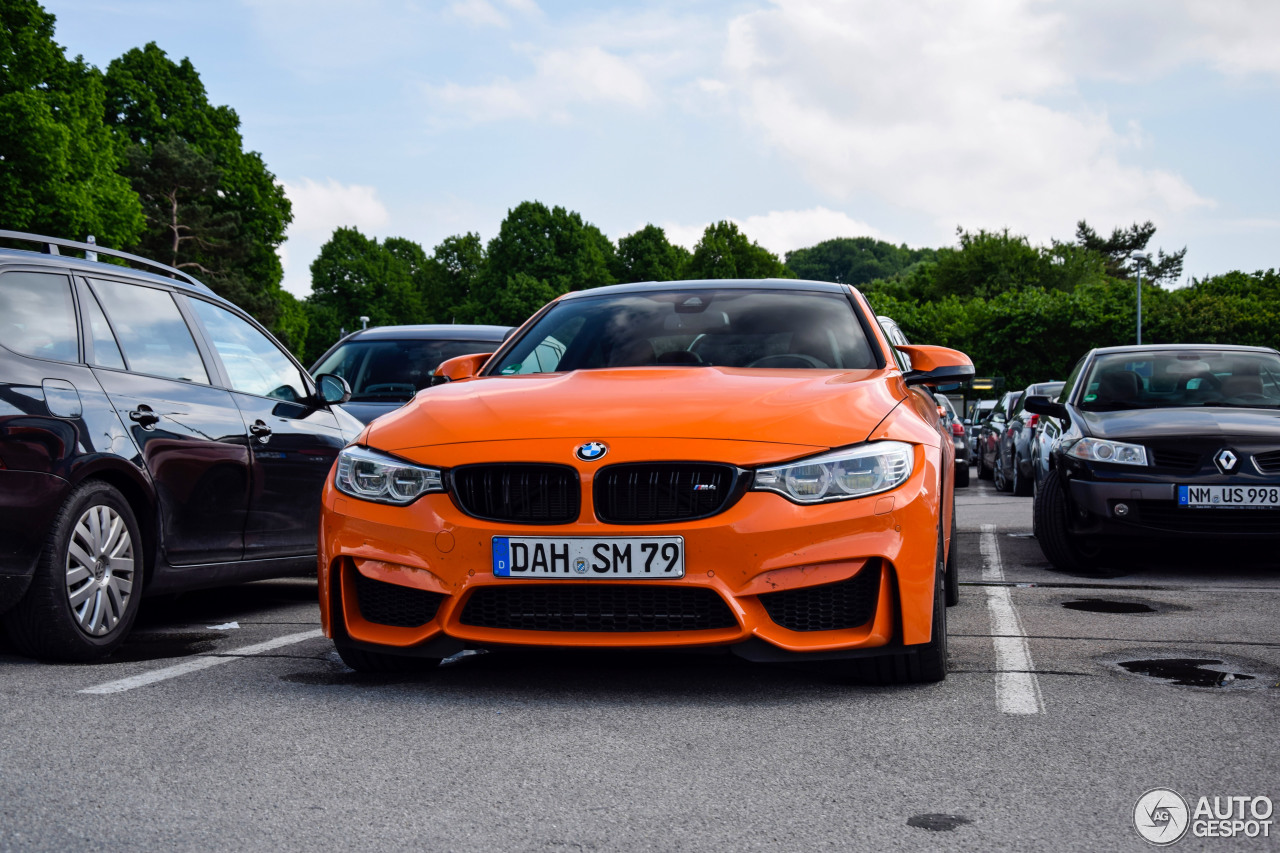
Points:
x=739, y=464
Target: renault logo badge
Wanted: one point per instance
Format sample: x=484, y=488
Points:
x=591, y=451
x=1226, y=460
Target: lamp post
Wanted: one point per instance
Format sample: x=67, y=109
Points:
x=1141, y=258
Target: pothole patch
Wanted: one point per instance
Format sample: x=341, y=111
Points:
x=1108, y=605
x=938, y=822
x=1199, y=670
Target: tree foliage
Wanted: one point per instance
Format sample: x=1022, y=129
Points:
x=1118, y=249
x=58, y=161
x=855, y=260
x=725, y=252
x=237, y=223
x=647, y=255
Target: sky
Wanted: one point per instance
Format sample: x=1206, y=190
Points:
x=800, y=120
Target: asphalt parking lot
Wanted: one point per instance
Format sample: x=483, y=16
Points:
x=227, y=722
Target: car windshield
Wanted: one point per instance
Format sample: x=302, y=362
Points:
x=393, y=371
x=1182, y=379
x=728, y=328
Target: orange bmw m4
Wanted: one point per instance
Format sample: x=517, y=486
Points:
x=739, y=464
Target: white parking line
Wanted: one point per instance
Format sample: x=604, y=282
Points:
x=199, y=663
x=1017, y=689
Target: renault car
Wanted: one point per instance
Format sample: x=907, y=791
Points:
x=740, y=464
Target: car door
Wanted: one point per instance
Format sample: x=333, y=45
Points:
x=992, y=430
x=294, y=439
x=189, y=433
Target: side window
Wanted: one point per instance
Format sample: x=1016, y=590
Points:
x=151, y=331
x=1071, y=381
x=37, y=316
x=254, y=364
x=106, y=352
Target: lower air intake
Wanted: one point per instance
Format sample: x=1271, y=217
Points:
x=597, y=608
x=829, y=607
x=395, y=605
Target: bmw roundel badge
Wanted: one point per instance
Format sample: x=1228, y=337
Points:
x=591, y=451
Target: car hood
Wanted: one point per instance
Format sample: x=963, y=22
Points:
x=1174, y=423
x=366, y=412
x=812, y=408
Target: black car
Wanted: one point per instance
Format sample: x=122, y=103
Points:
x=1014, y=467
x=952, y=423
x=387, y=365
x=990, y=431
x=153, y=438
x=1162, y=443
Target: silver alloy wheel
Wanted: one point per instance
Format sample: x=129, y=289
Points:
x=99, y=570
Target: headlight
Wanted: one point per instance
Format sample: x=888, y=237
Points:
x=1098, y=450
x=373, y=476
x=843, y=474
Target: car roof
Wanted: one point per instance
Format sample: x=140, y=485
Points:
x=86, y=267
x=431, y=332
x=712, y=283
x=1137, y=348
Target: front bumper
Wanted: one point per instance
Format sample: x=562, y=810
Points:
x=761, y=546
x=1144, y=510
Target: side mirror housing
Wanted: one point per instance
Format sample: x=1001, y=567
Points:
x=461, y=366
x=332, y=389
x=1041, y=405
x=935, y=365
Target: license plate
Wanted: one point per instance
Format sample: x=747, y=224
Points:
x=654, y=557
x=1229, y=496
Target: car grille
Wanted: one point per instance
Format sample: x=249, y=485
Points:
x=1181, y=460
x=663, y=491
x=829, y=607
x=520, y=493
x=1268, y=463
x=605, y=608
x=392, y=604
x=1161, y=515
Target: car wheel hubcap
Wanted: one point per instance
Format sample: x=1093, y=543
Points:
x=100, y=566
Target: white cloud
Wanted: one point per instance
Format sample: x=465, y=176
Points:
x=781, y=231
x=561, y=79
x=319, y=208
x=941, y=108
x=479, y=12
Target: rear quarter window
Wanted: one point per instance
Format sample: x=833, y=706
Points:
x=37, y=315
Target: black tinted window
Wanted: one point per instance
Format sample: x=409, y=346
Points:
x=393, y=370
x=37, y=316
x=728, y=328
x=106, y=352
x=152, y=333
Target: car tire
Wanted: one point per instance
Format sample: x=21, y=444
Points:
x=998, y=477
x=1068, y=551
x=922, y=664
x=962, y=476
x=1021, y=485
x=87, y=586
x=363, y=660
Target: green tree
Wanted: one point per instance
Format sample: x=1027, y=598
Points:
x=647, y=255
x=58, y=159
x=855, y=260
x=152, y=100
x=539, y=254
x=460, y=260
x=725, y=252
x=1118, y=251
x=356, y=276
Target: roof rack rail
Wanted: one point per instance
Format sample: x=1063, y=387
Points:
x=51, y=245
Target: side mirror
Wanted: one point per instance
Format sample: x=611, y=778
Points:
x=461, y=367
x=332, y=389
x=968, y=421
x=935, y=365
x=1041, y=405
